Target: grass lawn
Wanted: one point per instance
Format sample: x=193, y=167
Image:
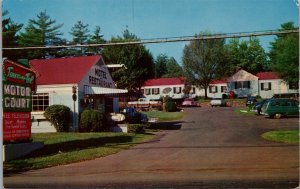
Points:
x=65, y=148
x=165, y=116
x=289, y=137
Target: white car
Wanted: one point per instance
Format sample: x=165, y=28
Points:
x=217, y=102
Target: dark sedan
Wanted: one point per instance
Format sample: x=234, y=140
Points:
x=258, y=105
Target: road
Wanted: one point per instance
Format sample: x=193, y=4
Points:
x=215, y=148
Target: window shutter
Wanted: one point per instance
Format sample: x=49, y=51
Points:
x=248, y=82
x=216, y=89
x=262, y=86
x=270, y=87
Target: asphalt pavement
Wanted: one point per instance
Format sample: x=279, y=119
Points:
x=214, y=148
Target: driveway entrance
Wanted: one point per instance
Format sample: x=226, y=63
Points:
x=215, y=148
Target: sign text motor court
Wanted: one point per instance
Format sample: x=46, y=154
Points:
x=14, y=96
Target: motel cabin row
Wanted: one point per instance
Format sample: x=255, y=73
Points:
x=242, y=83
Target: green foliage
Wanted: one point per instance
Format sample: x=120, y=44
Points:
x=247, y=55
x=161, y=65
x=135, y=128
x=284, y=55
x=91, y=121
x=10, y=36
x=136, y=58
x=204, y=61
x=40, y=32
x=170, y=105
x=96, y=38
x=59, y=116
x=167, y=67
x=80, y=33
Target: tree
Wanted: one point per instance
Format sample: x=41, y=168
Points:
x=41, y=32
x=9, y=36
x=161, y=65
x=167, y=67
x=96, y=38
x=173, y=69
x=137, y=59
x=203, y=61
x=80, y=33
x=247, y=55
x=284, y=55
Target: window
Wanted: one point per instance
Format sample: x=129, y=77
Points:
x=176, y=90
x=40, y=101
x=266, y=86
x=242, y=84
x=213, y=89
x=147, y=91
x=223, y=89
x=294, y=85
x=193, y=90
x=155, y=91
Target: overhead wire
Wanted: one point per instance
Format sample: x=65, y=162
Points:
x=165, y=40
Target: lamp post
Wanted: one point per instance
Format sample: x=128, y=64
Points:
x=74, y=97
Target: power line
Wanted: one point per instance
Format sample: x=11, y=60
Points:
x=166, y=40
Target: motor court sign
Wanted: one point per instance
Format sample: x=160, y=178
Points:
x=18, y=84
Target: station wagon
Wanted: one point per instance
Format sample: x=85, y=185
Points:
x=280, y=107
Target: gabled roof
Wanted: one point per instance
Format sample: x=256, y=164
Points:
x=164, y=81
x=267, y=75
x=242, y=75
x=63, y=70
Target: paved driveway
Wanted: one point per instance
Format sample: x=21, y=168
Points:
x=215, y=148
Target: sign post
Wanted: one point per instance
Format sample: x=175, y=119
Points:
x=18, y=85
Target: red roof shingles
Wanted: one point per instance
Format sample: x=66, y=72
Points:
x=63, y=70
x=220, y=81
x=164, y=81
x=267, y=75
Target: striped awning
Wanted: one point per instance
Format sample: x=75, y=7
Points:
x=88, y=90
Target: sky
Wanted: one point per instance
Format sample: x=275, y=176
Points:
x=149, y=19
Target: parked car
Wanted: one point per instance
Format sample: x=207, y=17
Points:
x=217, y=102
x=189, y=102
x=133, y=116
x=258, y=105
x=280, y=107
x=250, y=100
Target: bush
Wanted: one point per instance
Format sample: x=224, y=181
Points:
x=59, y=116
x=91, y=121
x=224, y=96
x=135, y=128
x=170, y=105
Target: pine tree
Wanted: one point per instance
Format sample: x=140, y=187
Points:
x=80, y=33
x=41, y=32
x=9, y=36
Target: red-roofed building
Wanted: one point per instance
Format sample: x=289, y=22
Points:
x=56, y=79
x=157, y=88
x=264, y=84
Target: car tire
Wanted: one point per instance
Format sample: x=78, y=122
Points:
x=277, y=116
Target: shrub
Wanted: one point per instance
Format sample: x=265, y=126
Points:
x=59, y=116
x=91, y=121
x=224, y=96
x=135, y=128
x=170, y=105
